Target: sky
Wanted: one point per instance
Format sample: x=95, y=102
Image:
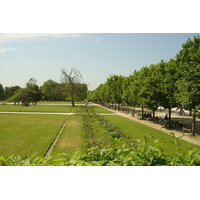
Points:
x=95, y=55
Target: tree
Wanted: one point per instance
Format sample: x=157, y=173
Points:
x=33, y=91
x=81, y=91
x=2, y=96
x=49, y=90
x=167, y=73
x=114, y=83
x=21, y=95
x=133, y=89
x=188, y=83
x=9, y=91
x=73, y=79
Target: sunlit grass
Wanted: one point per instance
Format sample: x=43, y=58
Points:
x=136, y=130
x=37, y=108
x=72, y=137
x=26, y=134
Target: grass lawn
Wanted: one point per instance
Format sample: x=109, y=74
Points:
x=25, y=134
x=58, y=102
x=98, y=109
x=136, y=130
x=72, y=137
x=37, y=108
x=76, y=137
x=51, y=108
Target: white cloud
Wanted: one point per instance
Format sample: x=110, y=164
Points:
x=3, y=50
x=9, y=37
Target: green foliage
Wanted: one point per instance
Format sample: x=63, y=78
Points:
x=9, y=91
x=53, y=91
x=188, y=65
x=139, y=153
x=2, y=96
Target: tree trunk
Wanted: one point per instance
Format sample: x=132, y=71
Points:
x=170, y=111
x=193, y=124
x=154, y=116
x=72, y=100
x=142, y=112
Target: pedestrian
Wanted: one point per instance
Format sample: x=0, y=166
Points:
x=166, y=121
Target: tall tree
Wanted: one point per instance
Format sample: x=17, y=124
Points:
x=49, y=90
x=33, y=90
x=167, y=73
x=73, y=78
x=134, y=88
x=114, y=83
x=188, y=84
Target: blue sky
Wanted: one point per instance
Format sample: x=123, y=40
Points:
x=96, y=56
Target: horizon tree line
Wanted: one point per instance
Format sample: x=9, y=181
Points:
x=49, y=91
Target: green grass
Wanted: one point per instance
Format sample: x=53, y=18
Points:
x=58, y=102
x=25, y=134
x=136, y=130
x=51, y=108
x=72, y=137
x=98, y=109
x=37, y=108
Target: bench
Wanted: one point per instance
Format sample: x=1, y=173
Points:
x=190, y=130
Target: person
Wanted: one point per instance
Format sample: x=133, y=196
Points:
x=166, y=121
x=166, y=117
x=145, y=115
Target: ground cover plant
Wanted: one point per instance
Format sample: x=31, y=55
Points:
x=26, y=134
x=136, y=130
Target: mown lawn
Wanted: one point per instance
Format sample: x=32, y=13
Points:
x=26, y=134
x=37, y=108
x=58, y=102
x=52, y=108
x=72, y=137
x=98, y=109
x=136, y=130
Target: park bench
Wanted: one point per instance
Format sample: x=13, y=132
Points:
x=190, y=130
x=187, y=130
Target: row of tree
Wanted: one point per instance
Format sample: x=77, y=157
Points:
x=175, y=83
x=49, y=91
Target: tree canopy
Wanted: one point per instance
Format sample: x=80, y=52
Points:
x=173, y=83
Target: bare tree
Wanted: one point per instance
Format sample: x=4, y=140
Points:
x=73, y=78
